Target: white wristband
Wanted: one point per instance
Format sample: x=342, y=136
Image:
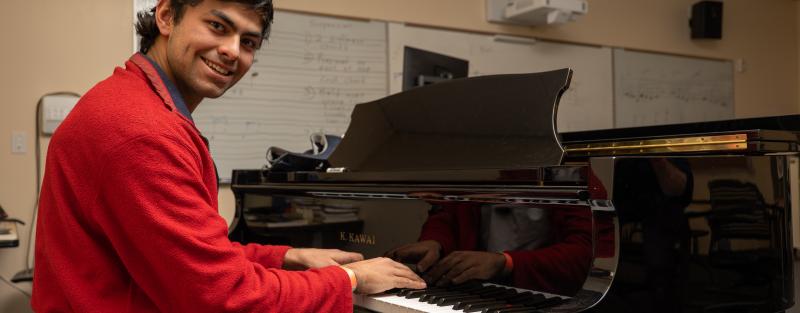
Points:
x=353, y=279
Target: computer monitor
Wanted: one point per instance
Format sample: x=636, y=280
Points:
x=422, y=68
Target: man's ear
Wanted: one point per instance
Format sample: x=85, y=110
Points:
x=164, y=17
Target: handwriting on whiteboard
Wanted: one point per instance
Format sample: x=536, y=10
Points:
x=652, y=89
x=307, y=78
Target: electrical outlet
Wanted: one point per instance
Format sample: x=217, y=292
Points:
x=19, y=142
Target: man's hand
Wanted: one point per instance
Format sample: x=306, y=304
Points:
x=462, y=266
x=381, y=274
x=425, y=253
x=302, y=259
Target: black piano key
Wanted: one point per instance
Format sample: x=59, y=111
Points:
x=467, y=285
x=470, y=289
x=493, y=293
x=526, y=297
x=510, y=295
x=519, y=310
x=415, y=293
x=495, y=308
x=393, y=291
x=486, y=290
x=406, y=291
x=436, y=298
x=505, y=307
x=477, y=307
x=533, y=302
x=463, y=304
x=448, y=301
x=436, y=295
x=500, y=293
x=547, y=303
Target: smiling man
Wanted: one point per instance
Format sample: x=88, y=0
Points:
x=128, y=217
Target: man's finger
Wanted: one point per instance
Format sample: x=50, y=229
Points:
x=405, y=271
x=447, y=277
x=344, y=257
x=427, y=260
x=402, y=282
x=323, y=262
x=444, y=266
x=407, y=274
x=469, y=274
x=462, y=264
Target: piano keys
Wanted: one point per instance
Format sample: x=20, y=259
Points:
x=475, y=297
x=677, y=218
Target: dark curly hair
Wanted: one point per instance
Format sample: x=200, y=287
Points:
x=148, y=30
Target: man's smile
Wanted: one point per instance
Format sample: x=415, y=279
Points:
x=217, y=68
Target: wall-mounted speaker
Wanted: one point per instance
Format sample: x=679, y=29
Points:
x=706, y=20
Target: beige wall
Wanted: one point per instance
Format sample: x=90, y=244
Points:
x=68, y=45
x=47, y=45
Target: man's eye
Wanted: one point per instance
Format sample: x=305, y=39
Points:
x=216, y=26
x=249, y=43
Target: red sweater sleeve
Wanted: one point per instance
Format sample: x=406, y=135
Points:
x=158, y=216
x=453, y=225
x=267, y=256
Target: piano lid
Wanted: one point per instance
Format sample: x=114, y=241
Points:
x=487, y=122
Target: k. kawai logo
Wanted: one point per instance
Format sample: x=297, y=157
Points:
x=363, y=239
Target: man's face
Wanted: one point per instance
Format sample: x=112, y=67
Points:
x=212, y=47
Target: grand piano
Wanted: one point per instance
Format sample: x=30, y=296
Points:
x=672, y=218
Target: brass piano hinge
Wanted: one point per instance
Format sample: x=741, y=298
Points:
x=661, y=145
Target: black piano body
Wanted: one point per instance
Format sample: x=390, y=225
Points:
x=675, y=218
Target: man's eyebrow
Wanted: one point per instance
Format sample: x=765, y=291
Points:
x=225, y=18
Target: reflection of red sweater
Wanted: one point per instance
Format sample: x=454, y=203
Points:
x=128, y=218
x=560, y=267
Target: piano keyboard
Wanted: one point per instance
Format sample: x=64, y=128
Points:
x=475, y=297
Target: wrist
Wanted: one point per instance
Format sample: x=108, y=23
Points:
x=508, y=264
x=353, y=279
x=291, y=260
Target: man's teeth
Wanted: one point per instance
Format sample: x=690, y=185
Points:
x=216, y=68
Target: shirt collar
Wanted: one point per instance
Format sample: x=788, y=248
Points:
x=165, y=88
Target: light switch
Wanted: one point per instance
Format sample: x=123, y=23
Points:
x=19, y=142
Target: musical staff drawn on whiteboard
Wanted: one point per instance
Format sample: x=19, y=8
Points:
x=654, y=89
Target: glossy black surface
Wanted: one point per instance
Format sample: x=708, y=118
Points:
x=693, y=234
x=785, y=122
x=719, y=244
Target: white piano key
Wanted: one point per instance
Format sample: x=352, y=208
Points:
x=393, y=303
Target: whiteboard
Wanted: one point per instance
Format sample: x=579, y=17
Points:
x=305, y=79
x=655, y=89
x=588, y=104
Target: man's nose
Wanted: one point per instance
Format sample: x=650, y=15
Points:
x=229, y=48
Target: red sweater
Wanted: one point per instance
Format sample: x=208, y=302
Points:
x=128, y=217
